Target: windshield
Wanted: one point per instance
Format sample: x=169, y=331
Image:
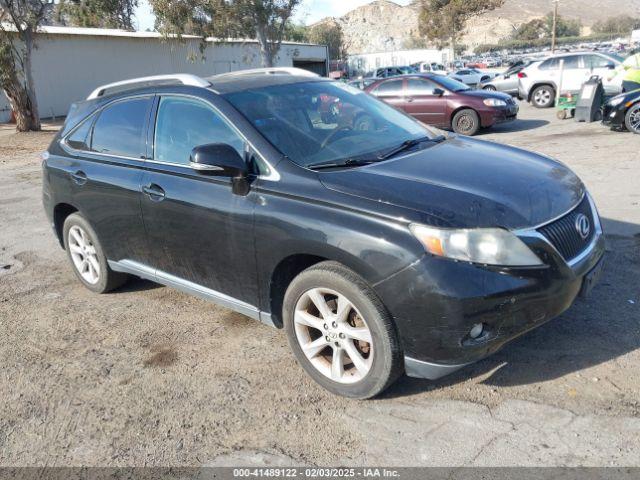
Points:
x=319, y=122
x=452, y=84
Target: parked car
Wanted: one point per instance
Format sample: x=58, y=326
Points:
x=540, y=82
x=362, y=83
x=471, y=76
x=506, y=82
x=446, y=103
x=380, y=251
x=623, y=112
x=387, y=72
x=426, y=67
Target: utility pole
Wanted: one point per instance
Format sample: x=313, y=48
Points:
x=555, y=23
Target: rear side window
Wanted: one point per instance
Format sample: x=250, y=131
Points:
x=119, y=129
x=79, y=139
x=572, y=61
x=184, y=123
x=549, y=64
x=389, y=89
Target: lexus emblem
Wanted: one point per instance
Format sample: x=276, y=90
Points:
x=583, y=226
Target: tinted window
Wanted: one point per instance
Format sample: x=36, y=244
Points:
x=119, y=129
x=80, y=138
x=596, y=61
x=549, y=64
x=184, y=123
x=572, y=61
x=390, y=88
x=418, y=86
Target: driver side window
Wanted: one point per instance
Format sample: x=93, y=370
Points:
x=183, y=123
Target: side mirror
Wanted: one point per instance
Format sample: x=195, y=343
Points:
x=219, y=159
x=438, y=91
x=611, y=66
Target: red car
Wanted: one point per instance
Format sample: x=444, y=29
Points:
x=446, y=103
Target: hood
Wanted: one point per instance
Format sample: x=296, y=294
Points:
x=486, y=94
x=467, y=183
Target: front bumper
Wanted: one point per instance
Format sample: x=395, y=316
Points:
x=613, y=116
x=494, y=116
x=436, y=301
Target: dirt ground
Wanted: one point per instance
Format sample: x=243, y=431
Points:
x=150, y=376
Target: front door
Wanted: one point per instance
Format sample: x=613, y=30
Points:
x=422, y=103
x=199, y=230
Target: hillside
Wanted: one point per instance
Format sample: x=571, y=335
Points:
x=383, y=25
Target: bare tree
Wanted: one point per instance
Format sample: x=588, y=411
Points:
x=19, y=22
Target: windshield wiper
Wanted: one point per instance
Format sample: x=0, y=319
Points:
x=409, y=144
x=347, y=163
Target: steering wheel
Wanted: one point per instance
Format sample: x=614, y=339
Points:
x=331, y=136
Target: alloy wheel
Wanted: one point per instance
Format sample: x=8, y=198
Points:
x=333, y=335
x=542, y=97
x=83, y=254
x=634, y=119
x=465, y=123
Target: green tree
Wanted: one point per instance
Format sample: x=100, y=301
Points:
x=329, y=34
x=265, y=20
x=19, y=22
x=97, y=13
x=542, y=28
x=296, y=32
x=444, y=21
x=621, y=25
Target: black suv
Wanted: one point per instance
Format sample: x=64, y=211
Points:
x=379, y=245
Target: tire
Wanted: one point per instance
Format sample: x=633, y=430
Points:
x=380, y=360
x=543, y=96
x=632, y=119
x=562, y=114
x=86, y=256
x=489, y=88
x=466, y=122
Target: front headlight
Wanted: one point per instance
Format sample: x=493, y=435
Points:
x=614, y=102
x=494, y=102
x=491, y=246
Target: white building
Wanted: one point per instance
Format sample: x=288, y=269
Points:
x=70, y=62
x=365, y=62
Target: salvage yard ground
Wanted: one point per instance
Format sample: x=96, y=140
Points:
x=150, y=376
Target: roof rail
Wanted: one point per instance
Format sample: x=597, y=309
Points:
x=183, y=78
x=270, y=71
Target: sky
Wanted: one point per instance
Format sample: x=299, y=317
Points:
x=309, y=12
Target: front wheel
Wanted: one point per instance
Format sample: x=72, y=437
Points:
x=489, y=88
x=632, y=119
x=466, y=122
x=340, y=332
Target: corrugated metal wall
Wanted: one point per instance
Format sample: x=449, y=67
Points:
x=67, y=68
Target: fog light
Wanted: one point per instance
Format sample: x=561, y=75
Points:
x=477, y=330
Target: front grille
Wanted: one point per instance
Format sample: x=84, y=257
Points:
x=563, y=233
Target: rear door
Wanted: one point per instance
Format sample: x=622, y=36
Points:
x=391, y=92
x=422, y=103
x=572, y=72
x=104, y=172
x=201, y=233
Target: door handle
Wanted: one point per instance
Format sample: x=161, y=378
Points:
x=155, y=192
x=79, y=177
x=408, y=99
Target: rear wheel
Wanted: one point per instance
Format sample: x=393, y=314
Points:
x=543, y=96
x=632, y=119
x=466, y=122
x=87, y=257
x=340, y=332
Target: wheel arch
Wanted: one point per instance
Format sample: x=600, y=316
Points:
x=60, y=213
x=540, y=84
